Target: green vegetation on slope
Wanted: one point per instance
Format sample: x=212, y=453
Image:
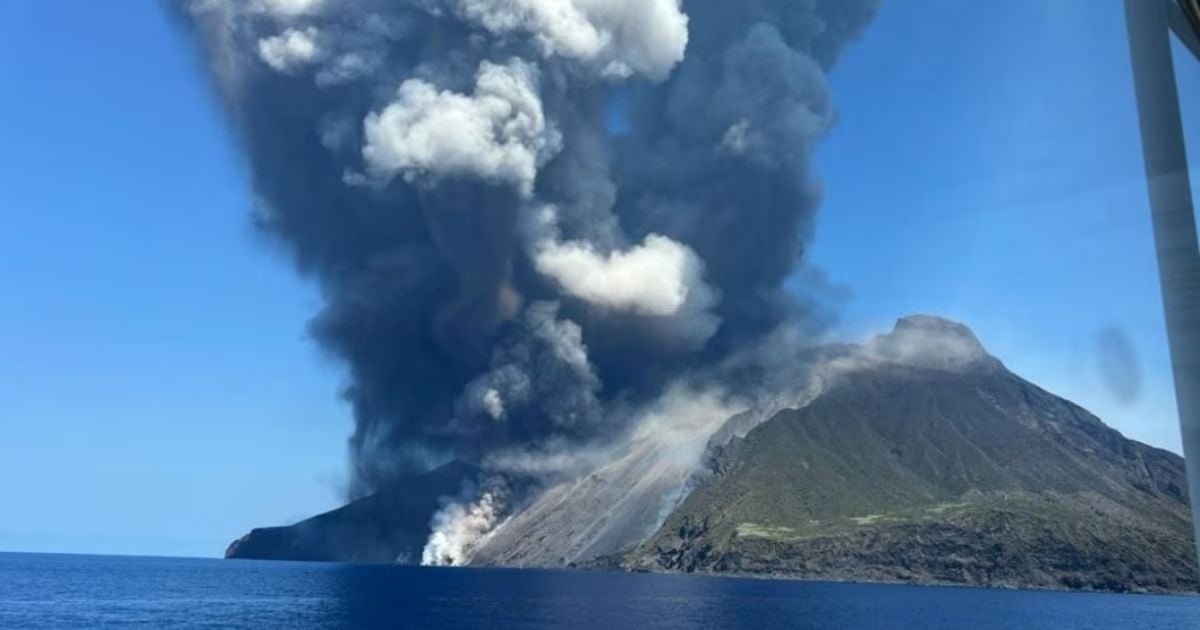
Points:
x=968, y=475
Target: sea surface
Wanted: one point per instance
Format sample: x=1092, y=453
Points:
x=59, y=591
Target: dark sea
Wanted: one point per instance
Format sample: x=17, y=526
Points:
x=58, y=591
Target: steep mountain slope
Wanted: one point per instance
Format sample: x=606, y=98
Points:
x=924, y=459
x=389, y=526
x=606, y=511
x=620, y=502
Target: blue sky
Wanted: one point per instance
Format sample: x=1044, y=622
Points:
x=157, y=390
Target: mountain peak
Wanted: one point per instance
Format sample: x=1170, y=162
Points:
x=929, y=462
x=931, y=341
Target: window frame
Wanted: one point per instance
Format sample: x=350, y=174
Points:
x=1151, y=25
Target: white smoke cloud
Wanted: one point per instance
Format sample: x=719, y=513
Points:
x=288, y=8
x=290, y=50
x=654, y=278
x=659, y=278
x=622, y=37
x=493, y=403
x=499, y=133
x=458, y=529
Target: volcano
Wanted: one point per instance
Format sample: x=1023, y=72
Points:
x=915, y=457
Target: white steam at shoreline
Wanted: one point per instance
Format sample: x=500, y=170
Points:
x=459, y=529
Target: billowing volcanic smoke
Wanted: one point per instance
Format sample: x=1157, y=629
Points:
x=530, y=218
x=459, y=528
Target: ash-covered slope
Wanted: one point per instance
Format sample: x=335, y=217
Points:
x=924, y=459
x=604, y=512
x=619, y=503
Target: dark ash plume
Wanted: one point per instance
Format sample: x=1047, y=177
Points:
x=504, y=270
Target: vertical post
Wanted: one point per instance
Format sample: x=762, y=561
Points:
x=1173, y=213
